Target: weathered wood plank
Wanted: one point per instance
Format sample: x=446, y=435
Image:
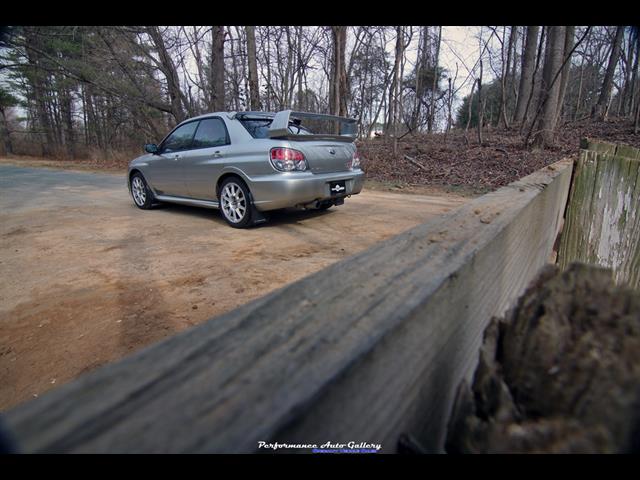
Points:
x=598, y=146
x=364, y=350
x=603, y=215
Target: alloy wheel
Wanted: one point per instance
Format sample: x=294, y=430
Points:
x=139, y=191
x=234, y=202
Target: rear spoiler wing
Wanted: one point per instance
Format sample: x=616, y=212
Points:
x=348, y=127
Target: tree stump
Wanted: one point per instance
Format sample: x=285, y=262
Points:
x=560, y=374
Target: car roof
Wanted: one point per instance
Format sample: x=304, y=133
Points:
x=208, y=115
x=229, y=115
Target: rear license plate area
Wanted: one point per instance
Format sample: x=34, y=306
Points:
x=338, y=188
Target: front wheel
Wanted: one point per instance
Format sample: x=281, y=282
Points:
x=141, y=193
x=235, y=203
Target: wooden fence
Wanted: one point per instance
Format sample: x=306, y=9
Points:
x=365, y=350
x=603, y=215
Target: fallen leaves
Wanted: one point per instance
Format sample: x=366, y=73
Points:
x=436, y=159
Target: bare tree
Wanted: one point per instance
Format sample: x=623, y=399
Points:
x=7, y=101
x=466, y=128
x=636, y=122
x=601, y=108
x=550, y=88
x=168, y=68
x=630, y=85
x=109, y=88
x=393, y=103
x=434, y=85
x=513, y=36
x=217, y=98
x=564, y=75
x=526, y=74
x=481, y=105
x=338, y=90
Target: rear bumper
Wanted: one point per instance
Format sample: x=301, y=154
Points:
x=284, y=190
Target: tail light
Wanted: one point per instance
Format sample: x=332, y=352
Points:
x=355, y=160
x=287, y=159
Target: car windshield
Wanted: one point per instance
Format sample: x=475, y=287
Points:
x=259, y=127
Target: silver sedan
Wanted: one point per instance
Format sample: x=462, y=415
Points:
x=248, y=163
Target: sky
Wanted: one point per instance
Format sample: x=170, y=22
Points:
x=459, y=52
x=460, y=49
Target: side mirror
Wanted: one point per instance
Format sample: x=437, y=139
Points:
x=151, y=148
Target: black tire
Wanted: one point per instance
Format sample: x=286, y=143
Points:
x=236, y=203
x=144, y=198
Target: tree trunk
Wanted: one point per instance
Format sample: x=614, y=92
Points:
x=634, y=78
x=526, y=77
x=636, y=122
x=300, y=72
x=236, y=77
x=70, y=138
x=37, y=80
x=94, y=119
x=338, y=104
x=217, y=102
x=564, y=76
x=466, y=128
x=624, y=94
x=334, y=101
x=536, y=79
x=8, y=146
x=513, y=35
x=550, y=89
x=481, y=105
x=176, y=96
x=434, y=86
x=393, y=90
x=579, y=96
x=343, y=81
x=267, y=52
x=600, y=109
x=287, y=86
x=397, y=94
x=514, y=73
x=422, y=63
x=449, y=105
x=202, y=78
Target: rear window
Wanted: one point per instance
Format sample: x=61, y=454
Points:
x=259, y=127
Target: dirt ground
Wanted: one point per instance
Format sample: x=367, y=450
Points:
x=88, y=278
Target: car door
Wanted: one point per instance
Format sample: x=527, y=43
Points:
x=166, y=170
x=206, y=159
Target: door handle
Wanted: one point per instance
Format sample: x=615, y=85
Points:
x=217, y=154
x=176, y=156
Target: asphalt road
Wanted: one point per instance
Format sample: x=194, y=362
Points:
x=88, y=278
x=25, y=188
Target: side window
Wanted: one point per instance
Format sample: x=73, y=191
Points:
x=180, y=139
x=211, y=133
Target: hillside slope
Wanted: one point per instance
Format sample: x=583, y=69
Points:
x=451, y=161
